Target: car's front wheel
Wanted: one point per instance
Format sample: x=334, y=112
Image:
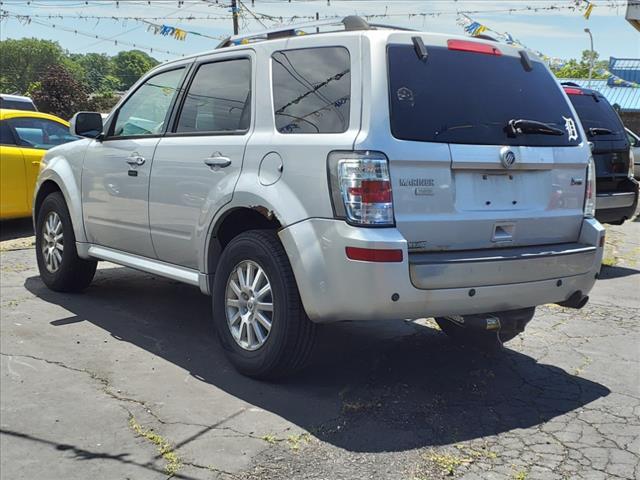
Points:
x=257, y=310
x=60, y=267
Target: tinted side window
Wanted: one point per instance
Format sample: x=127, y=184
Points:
x=146, y=111
x=17, y=105
x=218, y=99
x=312, y=90
x=40, y=133
x=6, y=137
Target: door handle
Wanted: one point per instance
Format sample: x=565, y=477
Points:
x=217, y=162
x=135, y=160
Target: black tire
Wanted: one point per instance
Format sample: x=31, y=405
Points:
x=512, y=324
x=73, y=274
x=290, y=340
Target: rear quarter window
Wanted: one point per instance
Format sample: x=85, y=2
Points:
x=469, y=98
x=312, y=90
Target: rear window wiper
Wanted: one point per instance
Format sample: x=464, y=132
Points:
x=594, y=131
x=523, y=126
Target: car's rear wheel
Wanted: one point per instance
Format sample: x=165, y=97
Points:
x=486, y=330
x=257, y=309
x=60, y=267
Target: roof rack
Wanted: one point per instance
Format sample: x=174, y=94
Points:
x=350, y=23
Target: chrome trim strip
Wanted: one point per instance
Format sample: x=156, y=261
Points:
x=174, y=272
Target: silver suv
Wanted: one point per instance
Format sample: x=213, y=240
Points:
x=362, y=173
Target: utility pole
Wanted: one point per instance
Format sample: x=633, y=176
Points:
x=234, y=14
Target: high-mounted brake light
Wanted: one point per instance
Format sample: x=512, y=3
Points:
x=361, y=187
x=475, y=47
x=573, y=91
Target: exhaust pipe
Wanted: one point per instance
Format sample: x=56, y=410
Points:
x=577, y=300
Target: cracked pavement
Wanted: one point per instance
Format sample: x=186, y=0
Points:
x=128, y=381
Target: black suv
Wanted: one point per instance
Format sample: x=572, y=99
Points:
x=616, y=190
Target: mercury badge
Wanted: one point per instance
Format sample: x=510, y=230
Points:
x=508, y=157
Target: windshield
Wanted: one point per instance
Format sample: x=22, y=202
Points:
x=465, y=97
x=595, y=112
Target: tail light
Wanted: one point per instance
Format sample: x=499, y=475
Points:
x=361, y=187
x=632, y=163
x=590, y=191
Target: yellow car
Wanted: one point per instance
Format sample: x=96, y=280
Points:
x=24, y=138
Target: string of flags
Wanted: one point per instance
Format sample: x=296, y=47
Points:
x=175, y=32
x=586, y=6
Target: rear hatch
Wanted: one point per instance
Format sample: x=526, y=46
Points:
x=606, y=132
x=462, y=177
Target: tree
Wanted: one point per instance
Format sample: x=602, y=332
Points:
x=24, y=61
x=130, y=66
x=60, y=93
x=580, y=69
x=96, y=66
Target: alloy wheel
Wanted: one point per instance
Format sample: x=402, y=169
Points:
x=249, y=305
x=52, y=242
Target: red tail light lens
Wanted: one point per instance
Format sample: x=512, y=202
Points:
x=475, y=47
x=361, y=187
x=573, y=91
x=372, y=191
x=374, y=255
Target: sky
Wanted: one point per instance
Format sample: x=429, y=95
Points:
x=556, y=32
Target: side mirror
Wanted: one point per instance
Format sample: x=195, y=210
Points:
x=86, y=124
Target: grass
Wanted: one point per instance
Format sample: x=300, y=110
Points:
x=164, y=447
x=270, y=438
x=521, y=475
x=295, y=441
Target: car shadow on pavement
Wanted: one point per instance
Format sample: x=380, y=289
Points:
x=608, y=272
x=371, y=387
x=18, y=228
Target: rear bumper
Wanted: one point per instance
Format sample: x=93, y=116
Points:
x=334, y=288
x=614, y=207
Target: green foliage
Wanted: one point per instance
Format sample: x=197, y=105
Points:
x=130, y=66
x=61, y=82
x=60, y=92
x=95, y=66
x=580, y=69
x=102, y=102
x=25, y=61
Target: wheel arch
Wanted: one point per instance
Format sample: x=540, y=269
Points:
x=59, y=177
x=232, y=222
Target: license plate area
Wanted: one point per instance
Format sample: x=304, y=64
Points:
x=499, y=191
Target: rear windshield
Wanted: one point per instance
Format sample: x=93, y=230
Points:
x=17, y=105
x=465, y=97
x=595, y=112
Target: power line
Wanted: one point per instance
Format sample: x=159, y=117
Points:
x=92, y=35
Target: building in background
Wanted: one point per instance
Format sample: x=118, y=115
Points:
x=633, y=13
x=620, y=89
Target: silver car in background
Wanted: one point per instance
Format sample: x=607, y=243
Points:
x=365, y=173
x=634, y=140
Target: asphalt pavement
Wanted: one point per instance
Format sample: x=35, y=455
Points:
x=127, y=381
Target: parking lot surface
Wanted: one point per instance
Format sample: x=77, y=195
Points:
x=127, y=381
